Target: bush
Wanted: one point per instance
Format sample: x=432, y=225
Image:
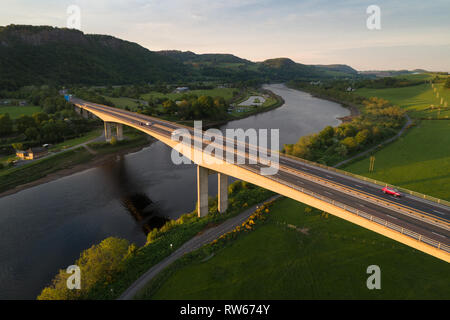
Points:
x=113, y=141
x=97, y=264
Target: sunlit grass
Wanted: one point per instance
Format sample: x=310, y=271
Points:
x=327, y=261
x=419, y=161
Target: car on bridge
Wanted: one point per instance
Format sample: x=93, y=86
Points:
x=391, y=191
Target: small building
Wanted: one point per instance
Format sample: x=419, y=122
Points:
x=32, y=153
x=181, y=89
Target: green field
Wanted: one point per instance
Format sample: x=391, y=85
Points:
x=123, y=102
x=17, y=111
x=418, y=161
x=226, y=93
x=324, y=258
x=73, y=142
x=415, y=99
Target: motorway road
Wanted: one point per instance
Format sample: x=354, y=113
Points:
x=434, y=223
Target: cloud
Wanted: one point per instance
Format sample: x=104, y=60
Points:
x=255, y=29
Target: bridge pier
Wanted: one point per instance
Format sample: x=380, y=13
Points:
x=202, y=191
x=108, y=131
x=85, y=113
x=119, y=131
x=222, y=192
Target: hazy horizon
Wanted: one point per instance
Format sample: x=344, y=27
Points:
x=413, y=35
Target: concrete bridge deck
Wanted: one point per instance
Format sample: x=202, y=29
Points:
x=414, y=221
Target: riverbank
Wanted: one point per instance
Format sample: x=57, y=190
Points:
x=353, y=108
x=215, y=124
x=160, y=244
x=65, y=164
x=72, y=214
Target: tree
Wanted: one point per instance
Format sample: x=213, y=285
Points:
x=341, y=149
x=362, y=136
x=32, y=133
x=24, y=122
x=39, y=117
x=350, y=143
x=6, y=124
x=447, y=83
x=169, y=106
x=113, y=141
x=17, y=146
x=326, y=134
x=97, y=264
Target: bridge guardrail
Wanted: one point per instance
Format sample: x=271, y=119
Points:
x=383, y=222
x=380, y=183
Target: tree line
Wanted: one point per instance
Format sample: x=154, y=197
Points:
x=379, y=120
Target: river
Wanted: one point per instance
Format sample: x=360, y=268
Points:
x=44, y=228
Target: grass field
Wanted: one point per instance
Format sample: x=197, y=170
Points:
x=419, y=161
x=73, y=142
x=123, y=102
x=327, y=259
x=17, y=111
x=226, y=93
x=415, y=99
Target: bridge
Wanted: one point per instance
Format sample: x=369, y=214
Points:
x=417, y=220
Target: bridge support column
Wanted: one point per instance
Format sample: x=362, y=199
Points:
x=202, y=191
x=119, y=131
x=107, y=131
x=77, y=110
x=85, y=113
x=222, y=192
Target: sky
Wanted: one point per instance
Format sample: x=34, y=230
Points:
x=413, y=33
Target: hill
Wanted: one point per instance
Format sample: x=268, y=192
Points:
x=211, y=58
x=38, y=55
x=60, y=56
x=286, y=69
x=337, y=68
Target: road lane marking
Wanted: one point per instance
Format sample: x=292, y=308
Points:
x=440, y=235
x=440, y=212
x=328, y=192
x=392, y=217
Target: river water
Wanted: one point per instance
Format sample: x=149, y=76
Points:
x=44, y=228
